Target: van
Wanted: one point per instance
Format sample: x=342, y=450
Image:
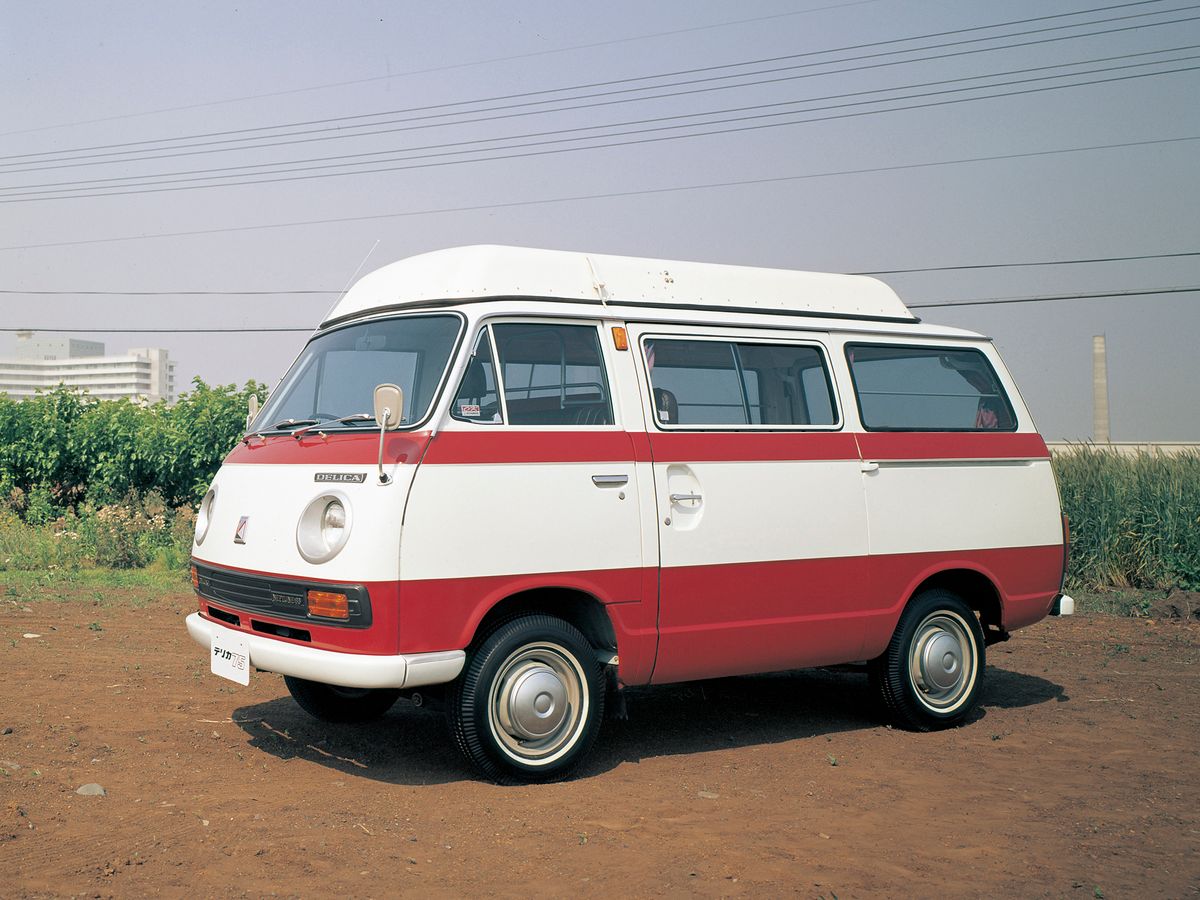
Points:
x=512, y=482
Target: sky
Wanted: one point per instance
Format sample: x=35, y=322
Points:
x=805, y=135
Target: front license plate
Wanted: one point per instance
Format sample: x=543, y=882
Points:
x=231, y=657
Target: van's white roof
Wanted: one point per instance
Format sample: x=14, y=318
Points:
x=471, y=273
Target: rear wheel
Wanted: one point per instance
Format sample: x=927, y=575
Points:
x=331, y=703
x=529, y=703
x=930, y=674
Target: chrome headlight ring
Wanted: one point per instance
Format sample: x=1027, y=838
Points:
x=324, y=527
x=204, y=516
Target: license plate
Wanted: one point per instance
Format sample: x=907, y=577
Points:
x=231, y=657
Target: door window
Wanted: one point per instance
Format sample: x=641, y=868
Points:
x=717, y=383
x=548, y=374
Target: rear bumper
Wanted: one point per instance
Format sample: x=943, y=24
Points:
x=357, y=670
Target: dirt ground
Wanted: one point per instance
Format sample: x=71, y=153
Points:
x=1077, y=778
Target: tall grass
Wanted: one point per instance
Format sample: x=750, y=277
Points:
x=1135, y=520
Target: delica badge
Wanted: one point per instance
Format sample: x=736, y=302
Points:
x=469, y=409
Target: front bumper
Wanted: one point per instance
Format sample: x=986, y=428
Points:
x=356, y=670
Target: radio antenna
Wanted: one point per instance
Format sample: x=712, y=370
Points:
x=349, y=282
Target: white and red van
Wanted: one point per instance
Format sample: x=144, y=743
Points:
x=514, y=481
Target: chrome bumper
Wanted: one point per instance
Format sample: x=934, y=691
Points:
x=357, y=670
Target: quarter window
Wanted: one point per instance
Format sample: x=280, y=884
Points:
x=927, y=389
x=477, y=399
x=727, y=383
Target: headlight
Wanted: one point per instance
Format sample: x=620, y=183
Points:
x=324, y=528
x=204, y=517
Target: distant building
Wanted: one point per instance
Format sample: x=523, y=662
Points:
x=144, y=373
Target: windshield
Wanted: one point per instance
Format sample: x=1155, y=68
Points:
x=335, y=377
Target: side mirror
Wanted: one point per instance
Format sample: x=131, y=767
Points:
x=389, y=406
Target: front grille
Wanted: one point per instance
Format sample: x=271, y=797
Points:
x=283, y=598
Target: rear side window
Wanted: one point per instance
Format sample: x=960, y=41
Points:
x=709, y=383
x=927, y=389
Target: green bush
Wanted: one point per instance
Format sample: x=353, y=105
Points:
x=64, y=449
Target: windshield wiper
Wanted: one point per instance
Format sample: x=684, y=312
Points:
x=353, y=419
x=285, y=425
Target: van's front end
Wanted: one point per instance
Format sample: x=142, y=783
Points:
x=297, y=548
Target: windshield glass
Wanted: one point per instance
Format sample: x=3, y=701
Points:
x=335, y=377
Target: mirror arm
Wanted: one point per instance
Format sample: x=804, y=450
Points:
x=384, y=478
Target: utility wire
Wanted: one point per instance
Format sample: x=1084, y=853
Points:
x=260, y=293
x=151, y=154
x=149, y=186
x=1055, y=298
x=998, y=301
x=1021, y=265
x=480, y=62
x=345, y=159
x=602, y=196
x=27, y=158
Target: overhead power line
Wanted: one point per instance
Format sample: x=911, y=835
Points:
x=874, y=170
x=465, y=65
x=997, y=301
x=1055, y=298
x=635, y=137
x=343, y=131
x=1021, y=265
x=261, y=293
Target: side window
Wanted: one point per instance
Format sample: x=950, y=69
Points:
x=553, y=374
x=477, y=400
x=726, y=383
x=927, y=389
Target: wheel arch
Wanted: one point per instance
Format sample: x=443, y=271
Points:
x=579, y=608
x=978, y=590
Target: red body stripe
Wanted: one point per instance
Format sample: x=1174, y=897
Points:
x=744, y=446
x=883, y=445
x=715, y=620
x=338, y=449
x=459, y=447
x=514, y=446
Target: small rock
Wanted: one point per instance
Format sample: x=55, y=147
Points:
x=822, y=835
x=91, y=790
x=708, y=795
x=8, y=729
x=30, y=634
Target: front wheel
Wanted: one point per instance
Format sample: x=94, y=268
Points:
x=331, y=703
x=930, y=674
x=529, y=703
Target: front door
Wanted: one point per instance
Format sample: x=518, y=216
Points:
x=530, y=484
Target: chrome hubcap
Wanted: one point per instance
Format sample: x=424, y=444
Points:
x=537, y=703
x=942, y=662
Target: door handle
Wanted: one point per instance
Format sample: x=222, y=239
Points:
x=869, y=466
x=610, y=480
x=684, y=498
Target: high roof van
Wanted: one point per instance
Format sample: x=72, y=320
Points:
x=511, y=482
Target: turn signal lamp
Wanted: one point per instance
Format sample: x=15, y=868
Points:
x=620, y=338
x=195, y=578
x=328, y=605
